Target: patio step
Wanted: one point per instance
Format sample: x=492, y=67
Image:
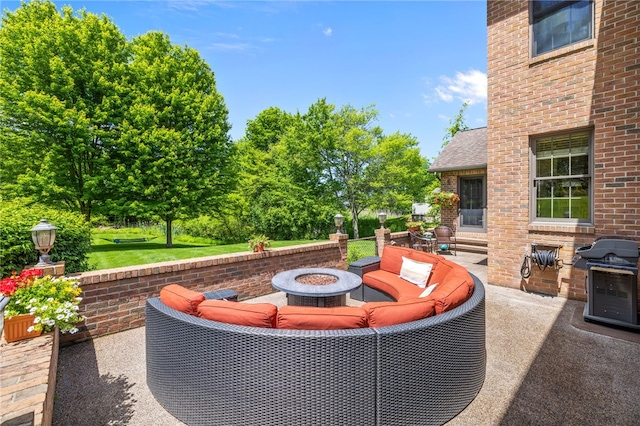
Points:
x=472, y=245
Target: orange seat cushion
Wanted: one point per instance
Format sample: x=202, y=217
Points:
x=382, y=314
x=440, y=271
x=391, y=284
x=314, y=318
x=391, y=260
x=181, y=299
x=456, y=289
x=261, y=315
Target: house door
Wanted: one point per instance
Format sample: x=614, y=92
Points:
x=473, y=203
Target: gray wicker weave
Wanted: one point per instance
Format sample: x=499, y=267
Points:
x=210, y=373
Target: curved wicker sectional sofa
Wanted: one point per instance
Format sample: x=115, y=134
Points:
x=418, y=373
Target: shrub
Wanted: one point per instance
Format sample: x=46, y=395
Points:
x=355, y=253
x=227, y=230
x=73, y=237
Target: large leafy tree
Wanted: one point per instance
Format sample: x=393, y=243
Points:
x=268, y=127
x=60, y=102
x=174, y=157
x=343, y=155
x=273, y=202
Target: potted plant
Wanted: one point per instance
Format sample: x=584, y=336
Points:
x=259, y=242
x=415, y=226
x=445, y=199
x=39, y=303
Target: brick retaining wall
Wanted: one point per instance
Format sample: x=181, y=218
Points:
x=114, y=300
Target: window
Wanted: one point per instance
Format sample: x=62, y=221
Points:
x=562, y=177
x=560, y=23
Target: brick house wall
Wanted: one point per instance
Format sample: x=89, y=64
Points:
x=114, y=300
x=592, y=84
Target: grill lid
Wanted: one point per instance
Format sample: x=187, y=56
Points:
x=612, y=248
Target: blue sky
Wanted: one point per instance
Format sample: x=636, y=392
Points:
x=417, y=61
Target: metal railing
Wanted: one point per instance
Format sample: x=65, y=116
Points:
x=361, y=247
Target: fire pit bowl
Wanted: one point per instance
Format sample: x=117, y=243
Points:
x=316, y=286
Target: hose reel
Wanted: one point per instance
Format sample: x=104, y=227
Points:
x=548, y=257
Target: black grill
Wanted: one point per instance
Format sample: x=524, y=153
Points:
x=612, y=281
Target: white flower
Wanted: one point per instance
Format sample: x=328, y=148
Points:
x=73, y=330
x=36, y=320
x=30, y=329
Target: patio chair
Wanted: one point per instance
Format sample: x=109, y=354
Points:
x=420, y=242
x=445, y=235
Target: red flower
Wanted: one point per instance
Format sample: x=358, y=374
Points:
x=9, y=285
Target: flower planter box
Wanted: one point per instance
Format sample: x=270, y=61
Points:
x=16, y=328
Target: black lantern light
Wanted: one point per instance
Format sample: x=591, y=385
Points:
x=43, y=236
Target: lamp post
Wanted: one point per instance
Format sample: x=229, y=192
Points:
x=43, y=236
x=339, y=220
x=382, y=217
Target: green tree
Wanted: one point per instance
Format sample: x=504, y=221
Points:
x=268, y=128
x=399, y=177
x=273, y=202
x=60, y=83
x=456, y=124
x=174, y=158
x=342, y=155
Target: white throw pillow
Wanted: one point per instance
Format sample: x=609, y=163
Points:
x=415, y=272
x=427, y=291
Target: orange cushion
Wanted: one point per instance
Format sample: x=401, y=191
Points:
x=313, y=318
x=391, y=260
x=181, y=299
x=391, y=284
x=250, y=314
x=456, y=289
x=421, y=256
x=381, y=314
x=440, y=271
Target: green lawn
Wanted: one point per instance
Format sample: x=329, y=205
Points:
x=106, y=254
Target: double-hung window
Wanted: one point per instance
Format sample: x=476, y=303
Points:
x=562, y=177
x=559, y=23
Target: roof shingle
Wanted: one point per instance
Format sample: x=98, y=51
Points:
x=466, y=150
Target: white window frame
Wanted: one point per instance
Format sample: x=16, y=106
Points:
x=534, y=179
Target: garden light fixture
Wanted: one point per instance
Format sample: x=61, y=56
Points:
x=43, y=236
x=382, y=217
x=339, y=220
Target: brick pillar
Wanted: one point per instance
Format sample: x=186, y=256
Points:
x=55, y=269
x=341, y=239
x=383, y=238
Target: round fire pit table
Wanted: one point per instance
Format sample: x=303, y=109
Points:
x=316, y=286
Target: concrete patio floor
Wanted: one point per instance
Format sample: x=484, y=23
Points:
x=545, y=366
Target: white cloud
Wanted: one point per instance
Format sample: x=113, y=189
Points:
x=241, y=47
x=443, y=94
x=327, y=31
x=189, y=5
x=470, y=86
